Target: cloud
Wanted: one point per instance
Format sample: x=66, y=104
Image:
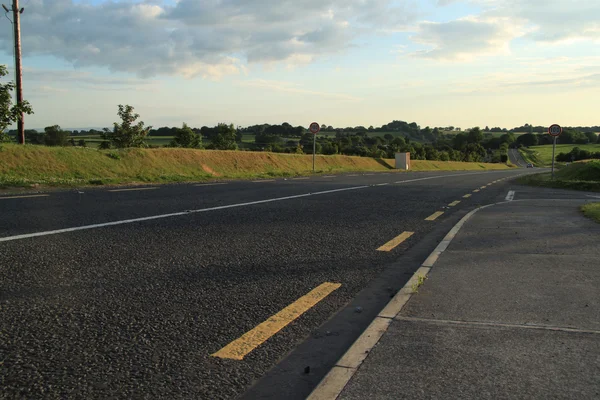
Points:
x=552, y=21
x=294, y=88
x=466, y=38
x=190, y=38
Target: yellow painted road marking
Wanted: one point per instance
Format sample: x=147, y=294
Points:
x=132, y=189
x=476, y=190
x=434, y=216
x=466, y=196
x=395, y=241
x=24, y=197
x=250, y=340
x=454, y=203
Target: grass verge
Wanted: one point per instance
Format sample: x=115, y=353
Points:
x=592, y=210
x=75, y=166
x=577, y=176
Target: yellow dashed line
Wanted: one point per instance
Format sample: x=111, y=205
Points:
x=483, y=187
x=476, y=190
x=454, y=203
x=466, y=196
x=434, y=216
x=395, y=241
x=250, y=340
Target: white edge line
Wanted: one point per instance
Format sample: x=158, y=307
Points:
x=133, y=189
x=129, y=221
x=24, y=197
x=210, y=184
x=338, y=377
x=152, y=217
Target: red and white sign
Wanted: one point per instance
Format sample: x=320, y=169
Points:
x=554, y=130
x=314, y=128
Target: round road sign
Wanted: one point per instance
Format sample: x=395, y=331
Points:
x=314, y=128
x=554, y=130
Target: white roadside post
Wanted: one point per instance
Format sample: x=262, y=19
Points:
x=554, y=130
x=314, y=128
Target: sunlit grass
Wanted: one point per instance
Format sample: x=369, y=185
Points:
x=29, y=164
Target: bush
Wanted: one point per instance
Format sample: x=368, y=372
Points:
x=55, y=136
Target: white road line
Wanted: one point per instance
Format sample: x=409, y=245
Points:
x=210, y=184
x=132, y=189
x=510, y=196
x=447, y=176
x=264, y=180
x=368, y=174
x=298, y=179
x=382, y=184
x=153, y=217
x=24, y=197
x=328, y=176
x=353, y=175
x=589, y=195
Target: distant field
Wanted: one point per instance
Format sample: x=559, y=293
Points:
x=542, y=155
x=95, y=140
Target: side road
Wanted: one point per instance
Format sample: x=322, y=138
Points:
x=511, y=309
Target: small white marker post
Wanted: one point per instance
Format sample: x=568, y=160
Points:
x=314, y=128
x=554, y=130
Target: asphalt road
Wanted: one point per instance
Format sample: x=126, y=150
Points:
x=124, y=306
x=516, y=158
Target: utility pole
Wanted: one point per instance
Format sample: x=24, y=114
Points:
x=18, y=68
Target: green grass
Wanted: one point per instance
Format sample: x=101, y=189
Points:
x=577, y=176
x=592, y=210
x=75, y=166
x=542, y=155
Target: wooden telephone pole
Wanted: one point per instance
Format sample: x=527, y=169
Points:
x=18, y=68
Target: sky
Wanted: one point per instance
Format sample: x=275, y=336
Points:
x=344, y=63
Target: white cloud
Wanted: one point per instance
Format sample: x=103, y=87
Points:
x=466, y=38
x=199, y=38
x=552, y=21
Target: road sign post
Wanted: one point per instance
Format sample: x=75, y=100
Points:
x=554, y=131
x=314, y=128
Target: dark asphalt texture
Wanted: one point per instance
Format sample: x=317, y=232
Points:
x=135, y=310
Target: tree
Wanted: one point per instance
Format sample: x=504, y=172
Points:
x=127, y=133
x=186, y=137
x=55, y=136
x=225, y=138
x=475, y=135
x=459, y=141
x=528, y=139
x=9, y=113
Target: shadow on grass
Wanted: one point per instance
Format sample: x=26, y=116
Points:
x=384, y=163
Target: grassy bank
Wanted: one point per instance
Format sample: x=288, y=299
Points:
x=577, y=176
x=592, y=210
x=542, y=155
x=26, y=165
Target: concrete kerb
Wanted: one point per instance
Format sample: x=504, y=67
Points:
x=334, y=382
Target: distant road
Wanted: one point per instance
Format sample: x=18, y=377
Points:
x=515, y=157
x=130, y=292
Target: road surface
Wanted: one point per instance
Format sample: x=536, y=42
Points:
x=135, y=293
x=516, y=158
